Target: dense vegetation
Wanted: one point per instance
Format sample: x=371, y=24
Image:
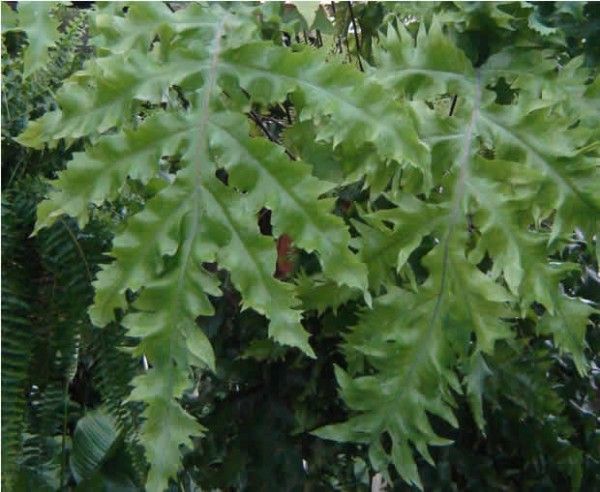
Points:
x=273, y=247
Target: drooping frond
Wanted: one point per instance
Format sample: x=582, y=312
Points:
x=463, y=212
x=490, y=163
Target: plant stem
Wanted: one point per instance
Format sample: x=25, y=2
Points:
x=64, y=435
x=286, y=107
x=355, y=36
x=339, y=40
x=453, y=104
x=257, y=119
x=319, y=39
x=348, y=49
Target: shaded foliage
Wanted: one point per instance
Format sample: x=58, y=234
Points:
x=349, y=242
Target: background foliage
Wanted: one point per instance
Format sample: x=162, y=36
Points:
x=384, y=261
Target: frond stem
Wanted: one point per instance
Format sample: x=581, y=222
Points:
x=79, y=250
x=355, y=36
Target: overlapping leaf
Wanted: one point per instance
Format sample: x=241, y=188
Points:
x=38, y=22
x=536, y=154
x=511, y=183
x=194, y=218
x=480, y=199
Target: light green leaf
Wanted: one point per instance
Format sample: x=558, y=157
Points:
x=38, y=22
x=199, y=346
x=455, y=223
x=536, y=24
x=567, y=327
x=346, y=106
x=10, y=18
x=476, y=374
x=308, y=10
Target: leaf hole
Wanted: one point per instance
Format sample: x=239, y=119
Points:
x=222, y=176
x=386, y=441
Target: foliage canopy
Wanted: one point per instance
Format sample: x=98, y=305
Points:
x=441, y=191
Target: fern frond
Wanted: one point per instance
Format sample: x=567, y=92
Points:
x=16, y=339
x=492, y=161
x=113, y=370
x=478, y=199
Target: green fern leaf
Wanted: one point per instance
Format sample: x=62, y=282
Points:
x=465, y=209
x=37, y=20
x=195, y=219
x=480, y=205
x=568, y=327
x=93, y=439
